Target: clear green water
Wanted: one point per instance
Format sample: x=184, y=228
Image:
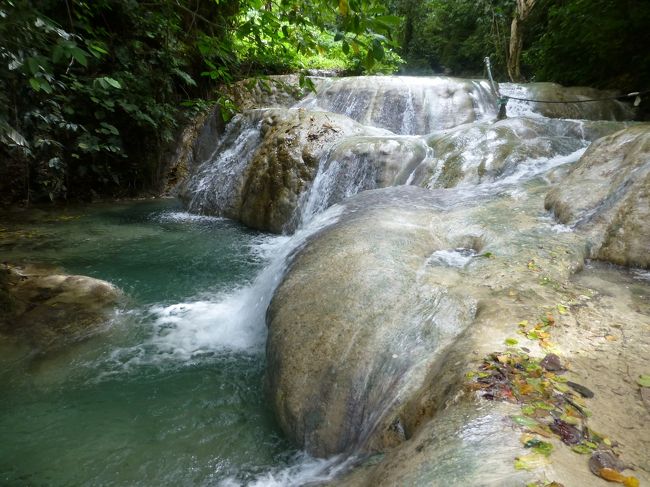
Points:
x=172, y=392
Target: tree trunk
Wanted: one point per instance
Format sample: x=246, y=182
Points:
x=522, y=12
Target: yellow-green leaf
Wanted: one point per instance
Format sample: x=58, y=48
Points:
x=344, y=7
x=643, y=380
x=530, y=461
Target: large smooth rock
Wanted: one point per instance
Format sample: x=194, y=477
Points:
x=405, y=105
x=606, y=196
x=357, y=323
x=49, y=309
x=266, y=160
x=607, y=108
x=361, y=326
x=514, y=147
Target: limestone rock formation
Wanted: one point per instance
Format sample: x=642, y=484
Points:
x=606, y=196
x=267, y=160
x=48, y=309
x=362, y=326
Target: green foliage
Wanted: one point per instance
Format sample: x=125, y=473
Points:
x=592, y=42
x=574, y=42
x=78, y=100
x=455, y=36
x=91, y=93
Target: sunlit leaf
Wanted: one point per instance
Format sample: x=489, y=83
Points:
x=542, y=447
x=524, y=421
x=643, y=380
x=531, y=461
x=582, y=449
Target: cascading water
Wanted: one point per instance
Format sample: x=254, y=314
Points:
x=405, y=105
x=226, y=166
x=172, y=394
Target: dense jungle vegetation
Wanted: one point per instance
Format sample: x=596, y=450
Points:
x=92, y=93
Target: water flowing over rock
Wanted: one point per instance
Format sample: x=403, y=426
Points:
x=361, y=327
x=489, y=151
x=260, y=171
x=357, y=164
x=607, y=196
x=406, y=105
x=360, y=293
x=605, y=108
x=265, y=161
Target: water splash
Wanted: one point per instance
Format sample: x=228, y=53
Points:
x=458, y=258
x=217, y=324
x=303, y=470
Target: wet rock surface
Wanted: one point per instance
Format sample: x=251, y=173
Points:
x=520, y=268
x=493, y=151
x=48, y=309
x=358, y=321
x=606, y=195
x=265, y=163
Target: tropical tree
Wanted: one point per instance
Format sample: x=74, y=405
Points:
x=92, y=92
x=522, y=12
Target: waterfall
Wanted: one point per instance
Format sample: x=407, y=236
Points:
x=274, y=169
x=405, y=105
x=353, y=136
x=225, y=167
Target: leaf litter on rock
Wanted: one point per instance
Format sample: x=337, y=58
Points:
x=551, y=405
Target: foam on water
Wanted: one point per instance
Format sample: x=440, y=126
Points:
x=184, y=216
x=221, y=323
x=303, y=470
x=459, y=257
x=641, y=275
x=534, y=167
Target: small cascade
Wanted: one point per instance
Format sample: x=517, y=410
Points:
x=215, y=185
x=405, y=105
x=357, y=164
x=606, y=107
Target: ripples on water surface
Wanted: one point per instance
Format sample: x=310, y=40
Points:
x=172, y=392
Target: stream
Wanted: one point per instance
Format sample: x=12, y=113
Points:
x=173, y=390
